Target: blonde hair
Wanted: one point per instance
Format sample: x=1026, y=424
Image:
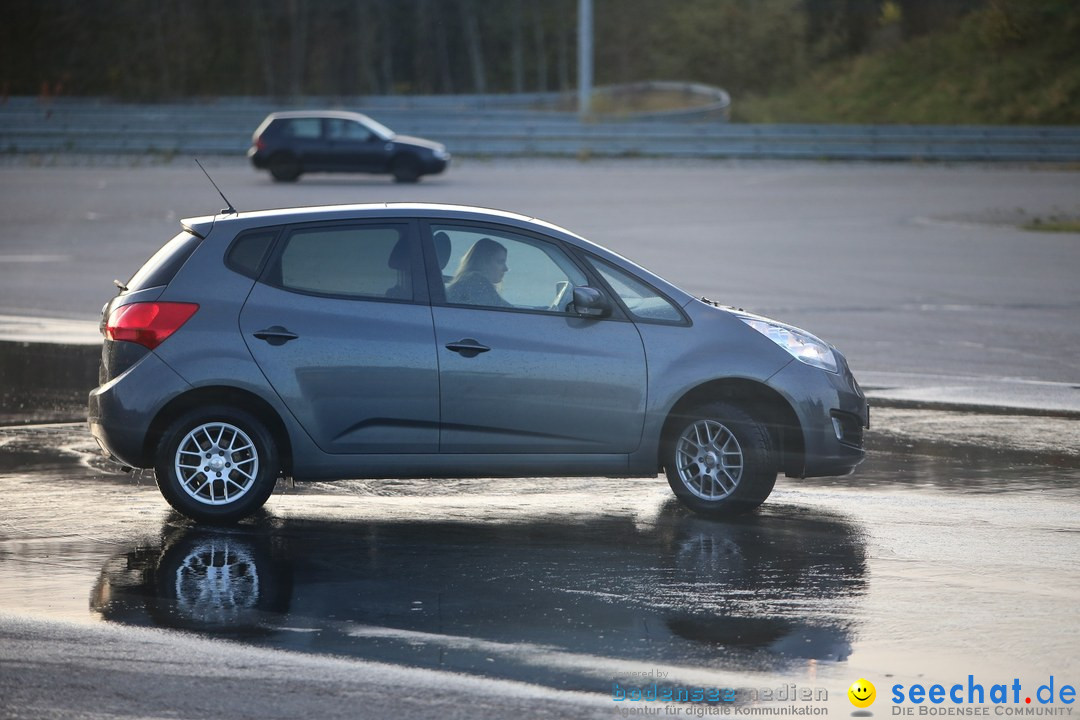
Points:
x=482, y=251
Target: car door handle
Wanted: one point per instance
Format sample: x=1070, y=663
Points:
x=275, y=335
x=467, y=347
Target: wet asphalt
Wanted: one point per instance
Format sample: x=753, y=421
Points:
x=922, y=567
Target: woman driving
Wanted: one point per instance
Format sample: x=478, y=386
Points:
x=482, y=268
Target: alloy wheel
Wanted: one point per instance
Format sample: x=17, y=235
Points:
x=216, y=463
x=709, y=460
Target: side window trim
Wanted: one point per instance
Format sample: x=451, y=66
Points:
x=410, y=234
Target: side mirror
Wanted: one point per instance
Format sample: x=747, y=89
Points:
x=590, y=302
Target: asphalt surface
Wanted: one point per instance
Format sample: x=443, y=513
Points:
x=951, y=552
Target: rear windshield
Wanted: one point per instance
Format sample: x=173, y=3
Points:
x=160, y=269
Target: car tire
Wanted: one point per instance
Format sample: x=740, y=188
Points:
x=406, y=169
x=719, y=460
x=216, y=464
x=284, y=167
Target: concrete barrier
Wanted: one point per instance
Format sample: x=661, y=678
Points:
x=46, y=382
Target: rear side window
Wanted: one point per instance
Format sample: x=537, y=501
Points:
x=249, y=250
x=310, y=128
x=351, y=261
x=164, y=264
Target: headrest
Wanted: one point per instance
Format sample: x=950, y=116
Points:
x=399, y=256
x=442, y=248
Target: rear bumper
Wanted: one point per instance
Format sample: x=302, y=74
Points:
x=120, y=411
x=260, y=160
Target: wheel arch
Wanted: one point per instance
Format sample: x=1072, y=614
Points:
x=220, y=395
x=761, y=402
x=404, y=154
x=412, y=162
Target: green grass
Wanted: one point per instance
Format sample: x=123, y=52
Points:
x=1015, y=63
x=1053, y=225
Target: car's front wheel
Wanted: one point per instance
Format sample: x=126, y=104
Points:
x=719, y=460
x=406, y=169
x=216, y=464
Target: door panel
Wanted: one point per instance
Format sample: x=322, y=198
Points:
x=355, y=148
x=549, y=383
x=334, y=327
x=360, y=376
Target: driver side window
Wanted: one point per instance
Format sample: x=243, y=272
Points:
x=338, y=129
x=484, y=267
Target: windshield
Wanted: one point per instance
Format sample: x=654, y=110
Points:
x=378, y=128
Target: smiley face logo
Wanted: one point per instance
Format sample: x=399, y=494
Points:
x=862, y=693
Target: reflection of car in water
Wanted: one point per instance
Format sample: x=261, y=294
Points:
x=762, y=592
x=213, y=582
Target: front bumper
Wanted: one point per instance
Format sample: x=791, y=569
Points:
x=121, y=411
x=832, y=412
x=434, y=165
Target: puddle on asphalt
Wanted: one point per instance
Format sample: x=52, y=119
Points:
x=562, y=582
x=490, y=597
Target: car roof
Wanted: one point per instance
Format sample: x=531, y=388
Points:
x=340, y=114
x=202, y=225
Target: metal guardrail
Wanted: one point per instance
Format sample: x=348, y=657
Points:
x=224, y=127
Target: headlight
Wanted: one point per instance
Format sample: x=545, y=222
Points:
x=441, y=154
x=802, y=345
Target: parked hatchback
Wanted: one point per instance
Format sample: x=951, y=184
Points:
x=289, y=144
x=434, y=341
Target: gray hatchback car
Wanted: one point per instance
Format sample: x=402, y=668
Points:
x=428, y=341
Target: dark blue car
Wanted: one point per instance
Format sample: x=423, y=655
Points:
x=289, y=144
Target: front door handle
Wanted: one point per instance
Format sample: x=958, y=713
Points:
x=275, y=335
x=467, y=347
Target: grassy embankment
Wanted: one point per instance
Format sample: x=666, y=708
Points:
x=1008, y=63
x=1002, y=65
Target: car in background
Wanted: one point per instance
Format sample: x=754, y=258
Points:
x=408, y=340
x=289, y=144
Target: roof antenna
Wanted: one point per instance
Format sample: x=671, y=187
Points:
x=230, y=209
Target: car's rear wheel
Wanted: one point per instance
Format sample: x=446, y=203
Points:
x=284, y=167
x=719, y=460
x=216, y=464
x=406, y=169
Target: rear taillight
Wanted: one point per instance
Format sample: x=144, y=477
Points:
x=148, y=323
x=260, y=144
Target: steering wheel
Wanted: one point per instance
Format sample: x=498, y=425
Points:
x=563, y=288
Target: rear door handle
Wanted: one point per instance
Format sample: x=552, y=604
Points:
x=275, y=335
x=467, y=347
